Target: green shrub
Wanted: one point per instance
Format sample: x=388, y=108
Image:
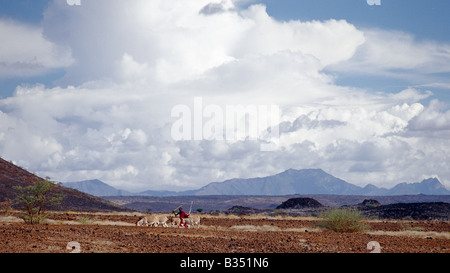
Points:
x=84, y=220
x=342, y=220
x=35, y=199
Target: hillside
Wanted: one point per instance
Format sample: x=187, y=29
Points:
x=12, y=175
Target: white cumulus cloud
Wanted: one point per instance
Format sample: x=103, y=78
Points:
x=134, y=61
x=25, y=51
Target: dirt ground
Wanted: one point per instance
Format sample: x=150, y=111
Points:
x=117, y=233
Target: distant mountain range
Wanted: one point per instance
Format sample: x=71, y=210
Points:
x=97, y=188
x=306, y=181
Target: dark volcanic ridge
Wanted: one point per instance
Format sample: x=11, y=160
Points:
x=410, y=211
x=373, y=209
x=369, y=208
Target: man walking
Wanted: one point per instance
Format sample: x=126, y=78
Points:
x=183, y=215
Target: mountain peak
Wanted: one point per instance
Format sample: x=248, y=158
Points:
x=292, y=171
x=430, y=186
x=431, y=181
x=291, y=181
x=304, y=170
x=96, y=187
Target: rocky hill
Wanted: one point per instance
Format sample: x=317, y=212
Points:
x=300, y=203
x=12, y=175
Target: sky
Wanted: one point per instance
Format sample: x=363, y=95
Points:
x=144, y=94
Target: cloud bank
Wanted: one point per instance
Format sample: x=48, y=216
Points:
x=128, y=63
x=26, y=52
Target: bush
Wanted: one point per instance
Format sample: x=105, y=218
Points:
x=36, y=199
x=342, y=220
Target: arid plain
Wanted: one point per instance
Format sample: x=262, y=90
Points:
x=116, y=232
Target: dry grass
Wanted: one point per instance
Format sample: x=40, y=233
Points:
x=104, y=213
x=255, y=228
x=281, y=217
x=269, y=228
x=260, y=217
x=10, y=219
x=412, y=233
x=87, y=222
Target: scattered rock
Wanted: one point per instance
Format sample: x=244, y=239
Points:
x=240, y=210
x=414, y=211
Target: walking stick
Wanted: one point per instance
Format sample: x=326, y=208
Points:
x=173, y=211
x=190, y=208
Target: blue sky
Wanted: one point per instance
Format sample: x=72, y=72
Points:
x=363, y=89
x=25, y=10
x=425, y=19
x=29, y=12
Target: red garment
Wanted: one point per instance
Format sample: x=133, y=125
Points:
x=183, y=215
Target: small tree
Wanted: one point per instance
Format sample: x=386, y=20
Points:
x=36, y=199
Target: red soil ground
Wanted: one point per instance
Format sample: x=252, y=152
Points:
x=108, y=233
